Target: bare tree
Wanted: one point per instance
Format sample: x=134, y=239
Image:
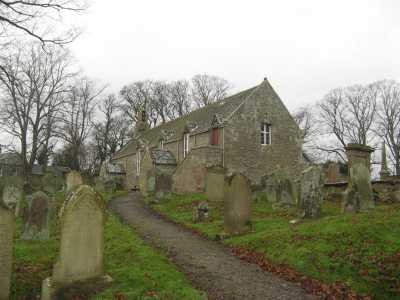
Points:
x=160, y=102
x=207, y=89
x=32, y=83
x=180, y=98
x=39, y=19
x=361, y=103
x=110, y=133
x=348, y=114
x=78, y=110
x=388, y=124
x=136, y=98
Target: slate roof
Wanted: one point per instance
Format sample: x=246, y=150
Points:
x=115, y=168
x=197, y=121
x=162, y=157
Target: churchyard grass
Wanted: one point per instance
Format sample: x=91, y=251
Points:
x=139, y=271
x=362, y=250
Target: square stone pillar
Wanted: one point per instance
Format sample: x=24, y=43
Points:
x=357, y=153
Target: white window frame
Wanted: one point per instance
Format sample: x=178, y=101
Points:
x=138, y=163
x=266, y=134
x=186, y=142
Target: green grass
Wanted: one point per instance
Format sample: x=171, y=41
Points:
x=139, y=271
x=362, y=250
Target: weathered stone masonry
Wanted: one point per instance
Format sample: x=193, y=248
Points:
x=231, y=128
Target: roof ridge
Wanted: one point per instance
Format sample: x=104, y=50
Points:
x=203, y=108
x=240, y=105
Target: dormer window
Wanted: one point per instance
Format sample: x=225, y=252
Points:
x=265, y=134
x=162, y=144
x=186, y=139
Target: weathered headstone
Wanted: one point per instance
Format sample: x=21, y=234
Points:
x=82, y=241
x=7, y=228
x=200, y=212
x=359, y=194
x=215, y=184
x=237, y=204
x=12, y=195
x=312, y=182
x=37, y=225
x=74, y=179
x=280, y=189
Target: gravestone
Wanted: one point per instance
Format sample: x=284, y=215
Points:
x=73, y=180
x=12, y=195
x=7, y=227
x=312, y=182
x=237, y=204
x=82, y=241
x=214, y=186
x=359, y=195
x=200, y=212
x=37, y=225
x=280, y=190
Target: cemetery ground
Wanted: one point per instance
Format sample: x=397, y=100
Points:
x=338, y=253
x=139, y=271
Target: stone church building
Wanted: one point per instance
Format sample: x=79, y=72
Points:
x=251, y=132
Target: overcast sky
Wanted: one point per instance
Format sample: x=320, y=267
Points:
x=304, y=48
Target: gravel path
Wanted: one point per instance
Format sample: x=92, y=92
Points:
x=208, y=265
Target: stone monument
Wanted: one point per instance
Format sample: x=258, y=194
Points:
x=237, y=204
x=312, y=183
x=359, y=195
x=82, y=242
x=37, y=225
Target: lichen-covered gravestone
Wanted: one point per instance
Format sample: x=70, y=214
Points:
x=6, y=249
x=82, y=241
x=37, y=225
x=312, y=182
x=237, y=205
x=73, y=180
x=359, y=195
x=12, y=195
x=280, y=189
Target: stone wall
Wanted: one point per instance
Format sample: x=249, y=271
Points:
x=242, y=137
x=335, y=190
x=129, y=163
x=190, y=175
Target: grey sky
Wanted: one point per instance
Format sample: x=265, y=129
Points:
x=304, y=47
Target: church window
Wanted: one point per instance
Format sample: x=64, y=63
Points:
x=265, y=134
